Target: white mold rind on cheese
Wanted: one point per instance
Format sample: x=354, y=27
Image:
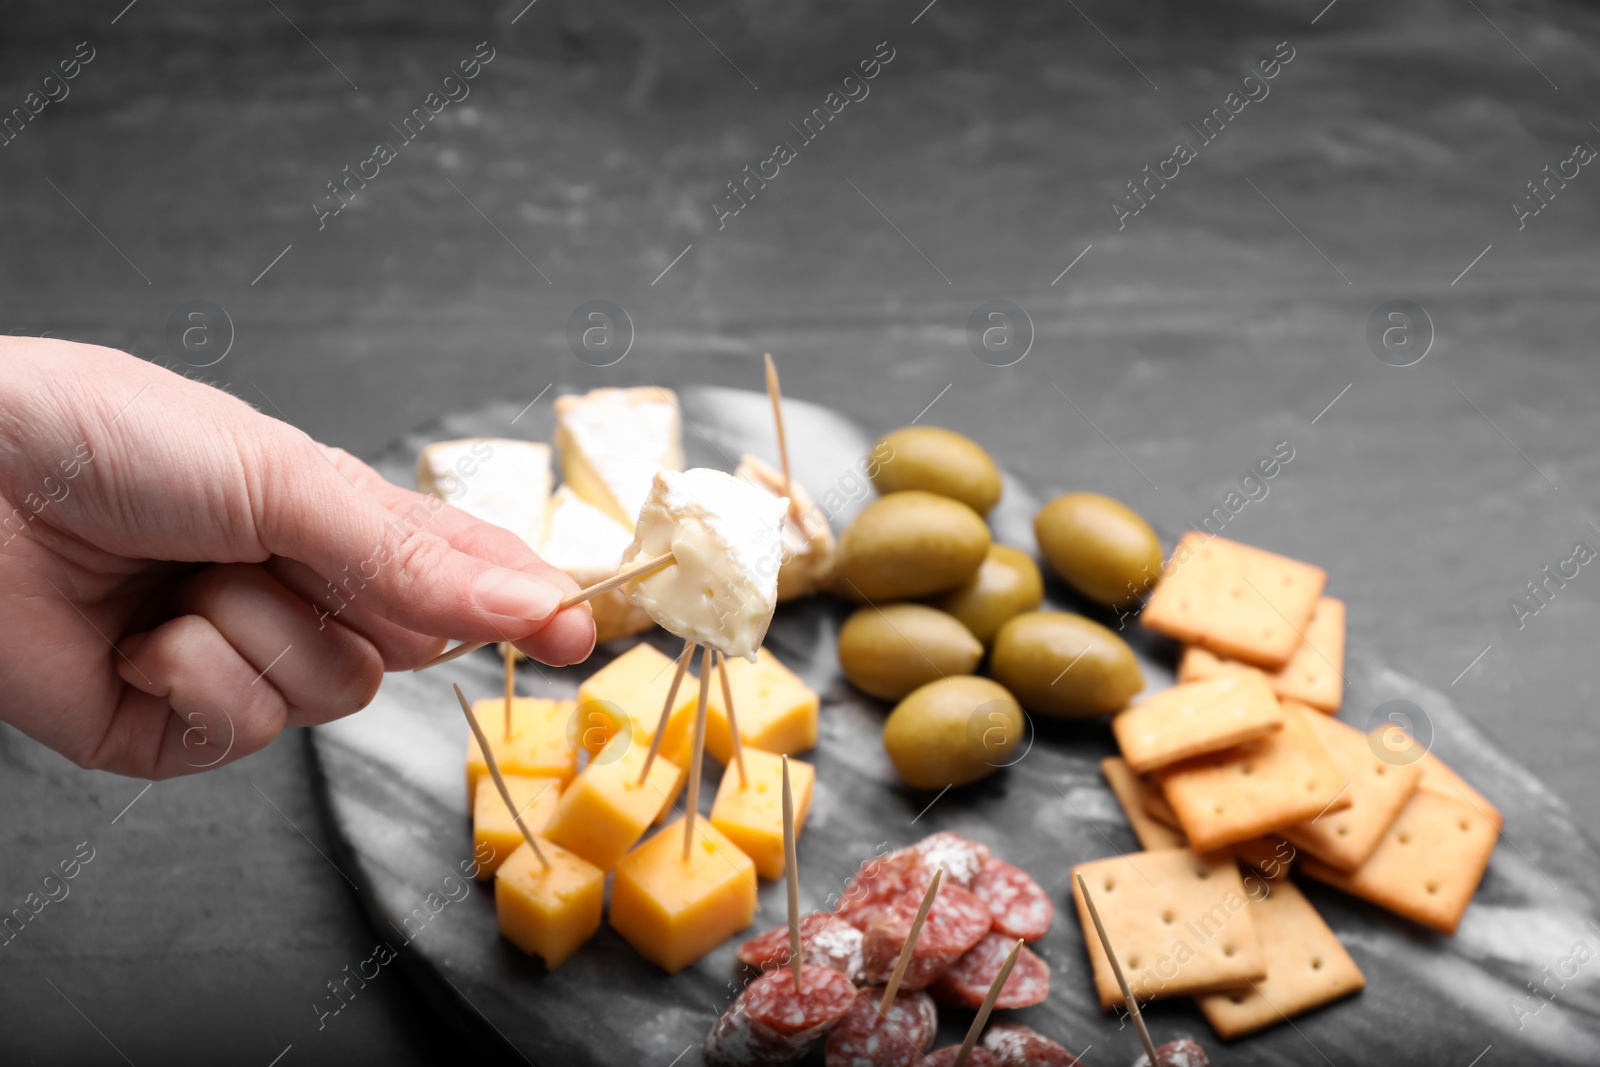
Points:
x=727, y=536
x=587, y=544
x=501, y=481
x=808, y=542
x=612, y=443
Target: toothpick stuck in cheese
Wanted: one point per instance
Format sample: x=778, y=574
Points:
x=727, y=537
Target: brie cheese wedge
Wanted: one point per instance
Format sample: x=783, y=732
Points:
x=587, y=544
x=498, y=480
x=807, y=537
x=612, y=442
x=727, y=537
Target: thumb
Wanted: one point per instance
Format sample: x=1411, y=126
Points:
x=400, y=565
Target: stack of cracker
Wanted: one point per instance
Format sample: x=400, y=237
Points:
x=1243, y=762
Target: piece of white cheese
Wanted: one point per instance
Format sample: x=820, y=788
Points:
x=612, y=442
x=807, y=537
x=727, y=536
x=587, y=544
x=498, y=480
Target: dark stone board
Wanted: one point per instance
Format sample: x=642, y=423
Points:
x=393, y=791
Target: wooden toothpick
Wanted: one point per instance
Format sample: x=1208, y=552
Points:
x=499, y=781
x=511, y=683
x=911, y=940
x=666, y=710
x=792, y=862
x=733, y=723
x=630, y=573
x=697, y=762
x=988, y=1006
x=775, y=394
x=1116, y=969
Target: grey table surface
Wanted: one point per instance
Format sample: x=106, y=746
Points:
x=1227, y=316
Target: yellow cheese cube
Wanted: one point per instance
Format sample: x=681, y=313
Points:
x=750, y=812
x=634, y=687
x=492, y=824
x=675, y=911
x=776, y=711
x=548, y=911
x=606, y=810
x=538, y=747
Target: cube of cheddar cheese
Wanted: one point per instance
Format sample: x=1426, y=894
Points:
x=606, y=809
x=775, y=710
x=548, y=911
x=674, y=911
x=538, y=746
x=634, y=686
x=750, y=812
x=492, y=824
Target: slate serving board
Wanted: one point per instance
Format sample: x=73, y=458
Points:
x=394, y=797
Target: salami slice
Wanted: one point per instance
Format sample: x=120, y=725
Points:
x=1019, y=905
x=945, y=1057
x=967, y=981
x=956, y=921
x=1180, y=1053
x=882, y=878
x=961, y=859
x=826, y=940
x=1015, y=1045
x=771, y=1025
x=898, y=1038
x=877, y=882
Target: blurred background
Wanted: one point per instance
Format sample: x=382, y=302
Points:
x=1173, y=331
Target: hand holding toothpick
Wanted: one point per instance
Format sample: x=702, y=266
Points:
x=640, y=569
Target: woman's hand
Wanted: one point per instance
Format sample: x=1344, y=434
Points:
x=181, y=577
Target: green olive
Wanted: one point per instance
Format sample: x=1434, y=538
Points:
x=908, y=545
x=887, y=652
x=1008, y=583
x=953, y=731
x=1100, y=546
x=1064, y=665
x=938, y=461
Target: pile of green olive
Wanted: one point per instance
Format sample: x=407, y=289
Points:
x=938, y=595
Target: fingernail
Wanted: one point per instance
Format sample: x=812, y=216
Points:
x=500, y=591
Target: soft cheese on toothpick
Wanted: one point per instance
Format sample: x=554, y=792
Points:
x=726, y=536
x=498, y=480
x=807, y=537
x=587, y=545
x=612, y=442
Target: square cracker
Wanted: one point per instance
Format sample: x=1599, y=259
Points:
x=1180, y=924
x=1378, y=792
x=1259, y=787
x=1235, y=600
x=1438, y=777
x=1130, y=791
x=1314, y=675
x=1307, y=967
x=1194, y=719
x=1427, y=867
x=1271, y=856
